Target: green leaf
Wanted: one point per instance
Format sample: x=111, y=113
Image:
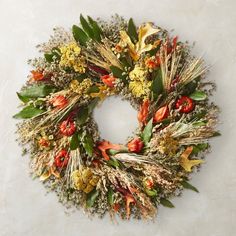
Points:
x=118, y=73
x=91, y=198
x=110, y=196
x=37, y=90
x=191, y=86
x=147, y=132
x=28, y=112
x=86, y=27
x=157, y=85
x=22, y=98
x=48, y=57
x=187, y=185
x=216, y=133
x=165, y=202
x=132, y=31
x=82, y=115
x=93, y=104
x=79, y=35
x=96, y=29
x=151, y=193
x=198, y=95
x=88, y=144
x=74, y=142
x=199, y=147
x=93, y=89
x=114, y=152
x=54, y=54
x=199, y=123
x=113, y=162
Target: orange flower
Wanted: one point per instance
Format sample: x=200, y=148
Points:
x=135, y=145
x=108, y=80
x=152, y=63
x=161, y=114
x=148, y=182
x=37, y=76
x=59, y=101
x=44, y=142
x=104, y=146
x=116, y=207
x=143, y=112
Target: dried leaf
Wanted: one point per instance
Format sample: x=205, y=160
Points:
x=185, y=162
x=105, y=145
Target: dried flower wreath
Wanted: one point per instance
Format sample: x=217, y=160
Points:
x=145, y=66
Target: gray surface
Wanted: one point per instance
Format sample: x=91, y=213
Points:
x=24, y=208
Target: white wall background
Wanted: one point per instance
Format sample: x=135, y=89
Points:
x=24, y=208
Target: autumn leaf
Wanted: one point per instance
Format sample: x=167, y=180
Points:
x=102, y=94
x=135, y=50
x=105, y=145
x=185, y=162
x=48, y=173
x=143, y=112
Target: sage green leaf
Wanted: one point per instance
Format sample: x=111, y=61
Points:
x=91, y=198
x=187, y=185
x=132, y=31
x=157, y=85
x=86, y=27
x=114, y=152
x=198, y=95
x=22, y=98
x=74, y=142
x=96, y=29
x=199, y=123
x=147, y=132
x=151, y=193
x=88, y=144
x=110, y=196
x=28, y=112
x=165, y=202
x=37, y=90
x=79, y=35
x=82, y=115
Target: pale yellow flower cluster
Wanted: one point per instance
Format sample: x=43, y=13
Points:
x=71, y=57
x=84, y=180
x=139, y=85
x=80, y=87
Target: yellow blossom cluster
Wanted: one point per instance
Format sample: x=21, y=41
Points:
x=80, y=87
x=139, y=85
x=84, y=180
x=71, y=57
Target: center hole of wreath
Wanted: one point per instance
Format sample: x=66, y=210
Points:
x=116, y=120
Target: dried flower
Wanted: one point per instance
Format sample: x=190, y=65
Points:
x=135, y=145
x=71, y=57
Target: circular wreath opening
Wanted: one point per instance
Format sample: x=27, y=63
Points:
x=144, y=65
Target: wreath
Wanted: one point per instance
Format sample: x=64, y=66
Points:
x=160, y=78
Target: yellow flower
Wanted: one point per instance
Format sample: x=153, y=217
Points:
x=104, y=91
x=84, y=180
x=71, y=57
x=80, y=88
x=139, y=85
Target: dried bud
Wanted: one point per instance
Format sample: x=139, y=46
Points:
x=135, y=145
